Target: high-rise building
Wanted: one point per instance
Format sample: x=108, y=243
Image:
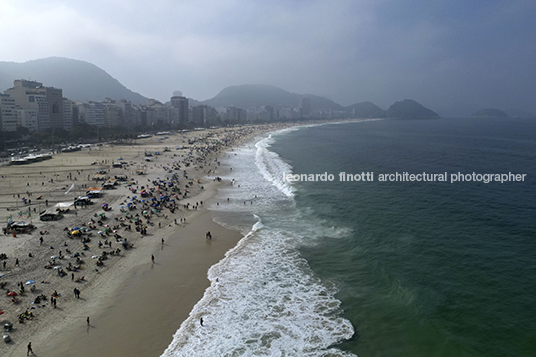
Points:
x=8, y=113
x=111, y=113
x=55, y=105
x=47, y=101
x=306, y=107
x=92, y=113
x=67, y=114
x=127, y=114
x=181, y=103
x=27, y=118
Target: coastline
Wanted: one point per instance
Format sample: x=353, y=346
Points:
x=52, y=331
x=134, y=306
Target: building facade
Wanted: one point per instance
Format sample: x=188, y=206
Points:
x=8, y=113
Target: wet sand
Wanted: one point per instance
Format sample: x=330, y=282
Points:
x=142, y=314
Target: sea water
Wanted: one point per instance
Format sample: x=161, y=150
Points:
x=371, y=268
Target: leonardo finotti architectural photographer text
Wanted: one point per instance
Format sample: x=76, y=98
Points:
x=405, y=177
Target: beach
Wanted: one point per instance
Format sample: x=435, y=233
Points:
x=134, y=304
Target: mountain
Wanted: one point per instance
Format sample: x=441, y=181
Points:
x=410, y=109
x=80, y=81
x=365, y=110
x=256, y=95
x=490, y=113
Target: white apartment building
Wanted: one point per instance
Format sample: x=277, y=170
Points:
x=8, y=113
x=67, y=114
x=27, y=118
x=92, y=113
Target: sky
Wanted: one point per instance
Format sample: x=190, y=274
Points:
x=454, y=56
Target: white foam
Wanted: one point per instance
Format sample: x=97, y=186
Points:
x=263, y=298
x=272, y=167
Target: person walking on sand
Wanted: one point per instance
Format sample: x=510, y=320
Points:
x=87, y=320
x=29, y=349
x=152, y=258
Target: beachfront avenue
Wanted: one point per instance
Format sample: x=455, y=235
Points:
x=406, y=177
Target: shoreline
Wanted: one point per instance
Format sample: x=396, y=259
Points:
x=49, y=328
x=61, y=332
x=141, y=315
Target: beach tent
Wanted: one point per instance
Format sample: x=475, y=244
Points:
x=81, y=200
x=63, y=205
x=19, y=227
x=50, y=216
x=93, y=192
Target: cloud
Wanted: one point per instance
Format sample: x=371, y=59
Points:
x=444, y=52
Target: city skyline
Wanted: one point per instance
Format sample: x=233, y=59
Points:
x=452, y=56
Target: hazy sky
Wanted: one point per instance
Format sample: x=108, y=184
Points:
x=451, y=56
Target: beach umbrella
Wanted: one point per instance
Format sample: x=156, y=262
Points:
x=94, y=257
x=101, y=214
x=75, y=232
x=104, y=205
x=134, y=197
x=53, y=257
x=75, y=228
x=121, y=206
x=57, y=267
x=100, y=232
x=11, y=293
x=29, y=282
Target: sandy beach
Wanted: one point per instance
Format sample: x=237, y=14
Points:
x=135, y=305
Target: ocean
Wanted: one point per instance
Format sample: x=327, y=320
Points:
x=382, y=265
